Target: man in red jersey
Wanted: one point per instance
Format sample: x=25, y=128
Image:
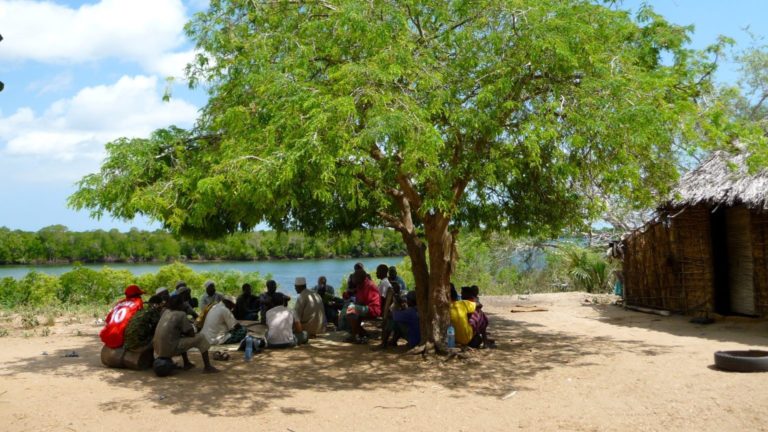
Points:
x=117, y=320
x=365, y=304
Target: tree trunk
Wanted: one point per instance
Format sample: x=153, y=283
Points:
x=417, y=253
x=433, y=279
x=442, y=258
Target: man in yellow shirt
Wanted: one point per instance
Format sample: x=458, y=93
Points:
x=460, y=311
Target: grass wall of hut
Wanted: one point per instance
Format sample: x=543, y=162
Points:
x=689, y=261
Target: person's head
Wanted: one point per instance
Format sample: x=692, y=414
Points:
x=247, y=289
x=381, y=271
x=155, y=300
x=359, y=266
x=454, y=294
x=410, y=298
x=300, y=284
x=475, y=291
x=281, y=299
x=176, y=303
x=351, y=284
x=466, y=293
x=133, y=291
x=180, y=284
x=229, y=302
x=271, y=286
x=358, y=278
x=322, y=281
x=392, y=272
x=162, y=293
x=184, y=293
x=210, y=287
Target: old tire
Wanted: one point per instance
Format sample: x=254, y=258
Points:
x=742, y=361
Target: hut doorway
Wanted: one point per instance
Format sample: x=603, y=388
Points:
x=733, y=263
x=740, y=262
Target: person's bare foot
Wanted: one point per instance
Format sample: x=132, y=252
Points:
x=210, y=369
x=188, y=366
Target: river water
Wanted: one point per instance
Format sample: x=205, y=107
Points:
x=283, y=272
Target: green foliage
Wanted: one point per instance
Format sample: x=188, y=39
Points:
x=502, y=265
x=41, y=287
x=588, y=271
x=49, y=295
x=83, y=286
x=487, y=113
x=29, y=319
x=11, y=293
x=56, y=243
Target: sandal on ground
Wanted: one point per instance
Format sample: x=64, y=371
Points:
x=220, y=356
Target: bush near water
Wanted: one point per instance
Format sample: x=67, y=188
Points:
x=83, y=286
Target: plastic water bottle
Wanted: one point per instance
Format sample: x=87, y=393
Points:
x=248, y=348
x=451, y=337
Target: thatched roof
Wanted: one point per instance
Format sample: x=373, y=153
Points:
x=722, y=179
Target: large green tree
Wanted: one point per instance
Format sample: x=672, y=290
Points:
x=421, y=115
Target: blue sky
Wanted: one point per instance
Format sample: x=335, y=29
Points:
x=78, y=74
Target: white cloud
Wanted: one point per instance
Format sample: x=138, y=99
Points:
x=172, y=64
x=76, y=129
x=148, y=32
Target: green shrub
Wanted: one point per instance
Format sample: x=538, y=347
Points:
x=86, y=287
x=586, y=269
x=29, y=319
x=11, y=294
x=41, y=288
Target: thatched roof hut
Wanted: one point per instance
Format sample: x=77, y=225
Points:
x=706, y=250
x=722, y=180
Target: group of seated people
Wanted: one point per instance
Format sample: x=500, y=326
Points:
x=165, y=325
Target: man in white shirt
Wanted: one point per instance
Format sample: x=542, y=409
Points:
x=384, y=284
x=309, y=309
x=283, y=327
x=220, y=325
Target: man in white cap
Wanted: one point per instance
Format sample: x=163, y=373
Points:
x=309, y=309
x=220, y=326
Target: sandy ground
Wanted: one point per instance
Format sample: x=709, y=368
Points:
x=576, y=367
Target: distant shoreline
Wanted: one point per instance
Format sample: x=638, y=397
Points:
x=185, y=261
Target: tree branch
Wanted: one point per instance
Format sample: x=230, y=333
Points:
x=392, y=221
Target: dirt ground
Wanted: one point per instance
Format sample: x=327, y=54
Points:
x=579, y=366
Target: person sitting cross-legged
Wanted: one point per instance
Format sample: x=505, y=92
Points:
x=406, y=321
x=269, y=299
x=460, y=312
x=220, y=326
x=210, y=297
x=365, y=304
x=113, y=333
x=478, y=320
x=309, y=309
x=175, y=335
x=247, y=305
x=283, y=327
x=331, y=303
